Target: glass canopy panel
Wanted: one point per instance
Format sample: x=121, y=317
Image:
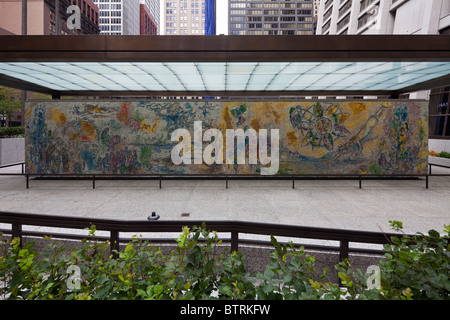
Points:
x=225, y=76
x=415, y=81
x=236, y=82
x=281, y=81
x=147, y=81
x=188, y=75
x=125, y=68
x=240, y=68
x=213, y=75
x=299, y=67
x=358, y=67
x=304, y=81
x=258, y=82
x=95, y=67
x=329, y=67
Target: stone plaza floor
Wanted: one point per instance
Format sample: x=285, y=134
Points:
x=318, y=203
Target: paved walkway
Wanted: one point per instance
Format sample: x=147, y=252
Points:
x=319, y=203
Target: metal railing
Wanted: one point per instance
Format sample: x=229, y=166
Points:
x=234, y=228
x=226, y=177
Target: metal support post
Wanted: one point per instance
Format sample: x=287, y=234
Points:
x=114, y=245
x=234, y=241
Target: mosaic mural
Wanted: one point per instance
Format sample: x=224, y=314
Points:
x=315, y=137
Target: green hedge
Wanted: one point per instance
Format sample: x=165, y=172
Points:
x=415, y=268
x=12, y=132
x=444, y=154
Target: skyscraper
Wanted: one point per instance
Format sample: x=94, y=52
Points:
x=184, y=17
x=153, y=7
x=148, y=24
x=268, y=17
x=119, y=17
x=383, y=17
x=44, y=19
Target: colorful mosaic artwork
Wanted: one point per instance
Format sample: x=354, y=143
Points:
x=315, y=137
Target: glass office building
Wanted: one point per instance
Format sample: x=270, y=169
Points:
x=271, y=17
x=119, y=17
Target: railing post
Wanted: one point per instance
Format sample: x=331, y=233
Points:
x=343, y=254
x=16, y=231
x=343, y=250
x=23, y=167
x=360, y=181
x=426, y=181
x=114, y=242
x=160, y=181
x=93, y=181
x=293, y=182
x=27, y=183
x=234, y=241
x=226, y=181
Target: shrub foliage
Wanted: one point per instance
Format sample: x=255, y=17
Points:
x=200, y=267
x=12, y=132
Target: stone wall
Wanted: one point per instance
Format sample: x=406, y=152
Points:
x=12, y=150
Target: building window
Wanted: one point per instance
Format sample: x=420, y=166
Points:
x=439, y=113
x=369, y=16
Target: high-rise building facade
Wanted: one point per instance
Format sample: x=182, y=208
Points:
x=153, y=7
x=271, y=17
x=184, y=17
x=119, y=17
x=383, y=17
x=148, y=25
x=397, y=17
x=44, y=19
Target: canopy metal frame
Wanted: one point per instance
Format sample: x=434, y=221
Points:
x=330, y=48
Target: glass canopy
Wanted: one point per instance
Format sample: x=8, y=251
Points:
x=223, y=76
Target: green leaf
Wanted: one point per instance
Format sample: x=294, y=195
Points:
x=344, y=276
x=434, y=234
x=396, y=225
x=49, y=286
x=268, y=288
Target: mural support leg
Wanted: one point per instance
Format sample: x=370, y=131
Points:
x=27, y=182
x=426, y=181
x=293, y=182
x=93, y=181
x=160, y=181
x=226, y=179
x=360, y=182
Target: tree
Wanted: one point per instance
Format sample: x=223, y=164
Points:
x=9, y=103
